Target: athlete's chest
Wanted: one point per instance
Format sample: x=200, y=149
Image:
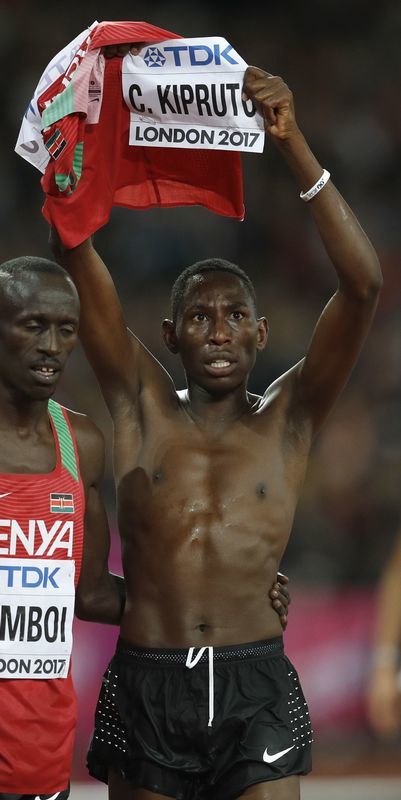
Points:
x=192, y=470
x=33, y=454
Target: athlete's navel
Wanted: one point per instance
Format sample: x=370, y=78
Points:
x=202, y=627
x=261, y=490
x=158, y=475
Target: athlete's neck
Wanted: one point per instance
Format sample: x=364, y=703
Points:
x=23, y=414
x=216, y=410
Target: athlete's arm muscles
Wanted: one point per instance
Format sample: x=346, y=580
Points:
x=345, y=321
x=100, y=595
x=121, y=363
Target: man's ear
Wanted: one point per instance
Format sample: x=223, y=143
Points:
x=169, y=335
x=263, y=333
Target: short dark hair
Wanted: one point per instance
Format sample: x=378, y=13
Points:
x=23, y=265
x=18, y=271
x=199, y=268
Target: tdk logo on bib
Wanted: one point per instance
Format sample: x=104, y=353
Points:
x=194, y=55
x=28, y=577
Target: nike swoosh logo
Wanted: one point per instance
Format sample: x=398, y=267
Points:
x=53, y=797
x=5, y=495
x=269, y=759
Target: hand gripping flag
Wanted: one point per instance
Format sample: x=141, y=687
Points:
x=84, y=149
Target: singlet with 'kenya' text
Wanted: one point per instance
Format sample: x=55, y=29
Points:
x=41, y=539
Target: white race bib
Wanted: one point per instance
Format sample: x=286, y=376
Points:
x=187, y=93
x=36, y=614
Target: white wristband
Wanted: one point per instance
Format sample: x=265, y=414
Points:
x=306, y=196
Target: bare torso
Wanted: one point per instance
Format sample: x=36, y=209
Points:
x=205, y=510
x=205, y=514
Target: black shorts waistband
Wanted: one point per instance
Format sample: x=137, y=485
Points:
x=177, y=655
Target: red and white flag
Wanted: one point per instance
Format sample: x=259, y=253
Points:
x=88, y=162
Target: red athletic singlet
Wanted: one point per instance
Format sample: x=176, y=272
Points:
x=41, y=537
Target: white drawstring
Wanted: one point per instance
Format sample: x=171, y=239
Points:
x=192, y=662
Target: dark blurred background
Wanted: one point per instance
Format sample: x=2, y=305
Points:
x=342, y=59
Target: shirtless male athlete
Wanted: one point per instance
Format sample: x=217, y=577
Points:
x=54, y=539
x=53, y=531
x=200, y=700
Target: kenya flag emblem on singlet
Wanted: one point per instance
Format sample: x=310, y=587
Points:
x=56, y=144
x=61, y=503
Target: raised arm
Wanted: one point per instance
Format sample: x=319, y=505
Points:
x=100, y=595
x=123, y=366
x=345, y=321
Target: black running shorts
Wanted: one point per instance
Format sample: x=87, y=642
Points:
x=206, y=724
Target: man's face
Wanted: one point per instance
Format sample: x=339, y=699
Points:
x=38, y=329
x=217, y=331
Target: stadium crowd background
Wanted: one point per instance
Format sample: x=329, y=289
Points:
x=342, y=60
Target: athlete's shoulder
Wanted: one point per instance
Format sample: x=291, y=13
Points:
x=82, y=425
x=281, y=389
x=89, y=439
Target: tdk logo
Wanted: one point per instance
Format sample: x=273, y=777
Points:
x=194, y=55
x=28, y=577
x=154, y=58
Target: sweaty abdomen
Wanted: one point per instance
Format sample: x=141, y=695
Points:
x=201, y=544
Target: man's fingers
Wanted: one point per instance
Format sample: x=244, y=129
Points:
x=281, y=611
x=282, y=595
x=267, y=88
x=269, y=115
x=254, y=84
x=250, y=89
x=270, y=96
x=279, y=594
x=136, y=47
x=282, y=588
x=121, y=50
x=256, y=72
x=280, y=598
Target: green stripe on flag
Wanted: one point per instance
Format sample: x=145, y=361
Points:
x=62, y=105
x=77, y=161
x=62, y=181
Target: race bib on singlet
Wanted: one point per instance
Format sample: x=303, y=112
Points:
x=36, y=614
x=188, y=93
